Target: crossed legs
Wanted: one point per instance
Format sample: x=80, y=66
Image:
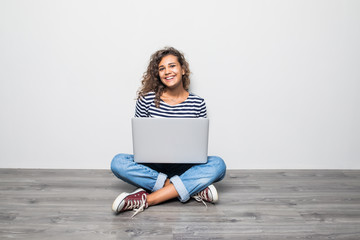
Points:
x=162, y=195
x=193, y=180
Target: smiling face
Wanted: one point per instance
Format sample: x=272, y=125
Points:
x=171, y=72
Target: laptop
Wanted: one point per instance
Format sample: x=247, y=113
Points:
x=170, y=140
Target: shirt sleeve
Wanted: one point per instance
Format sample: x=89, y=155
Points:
x=141, y=108
x=203, y=111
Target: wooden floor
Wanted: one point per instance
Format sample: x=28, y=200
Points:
x=254, y=204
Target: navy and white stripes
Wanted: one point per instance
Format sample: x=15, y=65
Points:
x=193, y=107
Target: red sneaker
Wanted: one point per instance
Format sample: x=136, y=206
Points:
x=131, y=201
x=209, y=194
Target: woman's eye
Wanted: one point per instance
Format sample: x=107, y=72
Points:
x=161, y=69
x=172, y=66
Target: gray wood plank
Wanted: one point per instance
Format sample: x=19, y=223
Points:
x=254, y=204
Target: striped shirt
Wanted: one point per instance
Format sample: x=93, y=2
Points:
x=193, y=107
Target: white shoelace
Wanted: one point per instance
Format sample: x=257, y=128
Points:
x=200, y=196
x=199, y=199
x=139, y=206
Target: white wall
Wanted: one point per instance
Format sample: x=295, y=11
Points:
x=281, y=78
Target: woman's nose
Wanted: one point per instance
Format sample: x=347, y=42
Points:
x=167, y=70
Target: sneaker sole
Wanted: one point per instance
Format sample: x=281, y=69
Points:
x=214, y=193
x=116, y=204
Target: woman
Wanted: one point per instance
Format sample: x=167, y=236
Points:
x=164, y=93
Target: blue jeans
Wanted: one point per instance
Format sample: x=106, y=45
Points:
x=188, y=179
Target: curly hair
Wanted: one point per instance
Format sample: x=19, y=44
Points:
x=151, y=80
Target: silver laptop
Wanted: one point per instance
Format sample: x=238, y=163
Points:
x=170, y=140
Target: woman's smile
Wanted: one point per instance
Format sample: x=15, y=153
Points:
x=169, y=78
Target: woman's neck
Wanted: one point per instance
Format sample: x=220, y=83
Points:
x=174, y=96
x=175, y=93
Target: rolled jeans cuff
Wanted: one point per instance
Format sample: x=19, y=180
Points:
x=180, y=188
x=160, y=181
